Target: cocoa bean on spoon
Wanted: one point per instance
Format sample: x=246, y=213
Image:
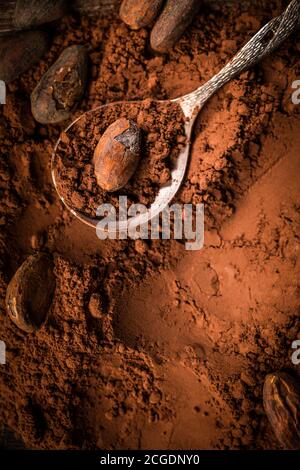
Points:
x=282, y=405
x=140, y=14
x=30, y=292
x=24, y=14
x=171, y=24
x=18, y=53
x=61, y=88
x=117, y=154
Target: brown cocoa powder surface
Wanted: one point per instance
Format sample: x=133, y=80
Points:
x=177, y=356
x=163, y=136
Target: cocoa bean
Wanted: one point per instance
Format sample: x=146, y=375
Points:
x=282, y=405
x=117, y=154
x=61, y=88
x=29, y=293
x=18, y=53
x=95, y=8
x=140, y=14
x=36, y=12
x=171, y=24
x=24, y=14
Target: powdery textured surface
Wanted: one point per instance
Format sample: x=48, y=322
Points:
x=177, y=355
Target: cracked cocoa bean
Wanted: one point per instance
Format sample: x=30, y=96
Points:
x=29, y=293
x=171, y=24
x=117, y=154
x=61, y=88
x=140, y=14
x=282, y=405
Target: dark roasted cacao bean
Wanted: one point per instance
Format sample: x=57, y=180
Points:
x=18, y=53
x=140, y=14
x=24, y=14
x=61, y=88
x=95, y=7
x=171, y=24
x=29, y=293
x=117, y=154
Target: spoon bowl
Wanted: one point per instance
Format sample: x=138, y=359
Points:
x=165, y=193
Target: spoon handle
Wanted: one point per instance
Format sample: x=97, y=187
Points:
x=263, y=43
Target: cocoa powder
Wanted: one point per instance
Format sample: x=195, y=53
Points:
x=146, y=345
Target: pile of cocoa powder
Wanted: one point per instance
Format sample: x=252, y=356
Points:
x=163, y=136
x=147, y=346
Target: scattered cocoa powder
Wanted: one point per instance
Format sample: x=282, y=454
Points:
x=176, y=352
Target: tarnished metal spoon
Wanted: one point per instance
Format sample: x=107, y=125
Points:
x=266, y=40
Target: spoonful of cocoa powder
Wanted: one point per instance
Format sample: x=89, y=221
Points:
x=140, y=149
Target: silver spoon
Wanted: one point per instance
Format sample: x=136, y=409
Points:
x=258, y=47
